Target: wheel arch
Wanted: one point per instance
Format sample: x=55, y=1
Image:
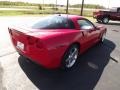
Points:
x=70, y=45
x=75, y=43
x=106, y=15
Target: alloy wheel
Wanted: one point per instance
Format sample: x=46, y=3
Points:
x=72, y=57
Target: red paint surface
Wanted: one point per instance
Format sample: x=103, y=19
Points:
x=47, y=47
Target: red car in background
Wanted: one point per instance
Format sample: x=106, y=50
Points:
x=57, y=40
x=104, y=16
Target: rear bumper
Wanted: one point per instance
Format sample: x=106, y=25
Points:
x=43, y=53
x=98, y=17
x=40, y=57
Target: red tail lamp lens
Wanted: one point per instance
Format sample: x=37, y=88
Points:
x=31, y=40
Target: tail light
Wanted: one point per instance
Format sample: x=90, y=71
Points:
x=31, y=40
x=35, y=41
x=98, y=13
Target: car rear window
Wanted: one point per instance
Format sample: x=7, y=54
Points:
x=54, y=22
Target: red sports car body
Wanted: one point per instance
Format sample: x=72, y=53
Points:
x=48, y=41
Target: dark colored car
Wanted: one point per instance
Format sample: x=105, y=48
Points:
x=103, y=16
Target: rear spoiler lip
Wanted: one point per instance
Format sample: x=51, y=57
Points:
x=20, y=29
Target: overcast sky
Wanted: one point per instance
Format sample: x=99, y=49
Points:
x=106, y=3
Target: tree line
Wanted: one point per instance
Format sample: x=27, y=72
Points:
x=7, y=3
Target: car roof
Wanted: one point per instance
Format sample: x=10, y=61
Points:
x=70, y=16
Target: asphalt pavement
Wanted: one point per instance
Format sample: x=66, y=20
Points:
x=97, y=69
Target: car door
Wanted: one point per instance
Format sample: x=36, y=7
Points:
x=115, y=14
x=90, y=34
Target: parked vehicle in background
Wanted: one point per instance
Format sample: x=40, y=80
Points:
x=56, y=41
x=104, y=16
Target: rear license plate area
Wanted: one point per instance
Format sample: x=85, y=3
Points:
x=20, y=45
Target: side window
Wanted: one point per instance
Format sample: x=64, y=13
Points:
x=71, y=24
x=85, y=24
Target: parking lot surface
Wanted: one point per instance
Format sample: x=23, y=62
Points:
x=96, y=69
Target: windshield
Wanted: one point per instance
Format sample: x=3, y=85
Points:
x=52, y=22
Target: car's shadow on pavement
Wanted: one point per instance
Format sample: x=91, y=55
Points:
x=84, y=76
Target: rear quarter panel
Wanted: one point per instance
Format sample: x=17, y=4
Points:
x=59, y=43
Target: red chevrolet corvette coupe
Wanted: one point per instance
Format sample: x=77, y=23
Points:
x=57, y=40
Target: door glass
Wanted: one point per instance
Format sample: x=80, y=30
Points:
x=85, y=25
x=118, y=10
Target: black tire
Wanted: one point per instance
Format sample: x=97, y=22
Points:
x=105, y=20
x=67, y=62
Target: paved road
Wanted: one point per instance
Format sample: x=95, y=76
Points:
x=97, y=69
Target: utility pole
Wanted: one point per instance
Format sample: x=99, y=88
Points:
x=56, y=5
x=82, y=8
x=67, y=7
x=108, y=4
x=43, y=4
